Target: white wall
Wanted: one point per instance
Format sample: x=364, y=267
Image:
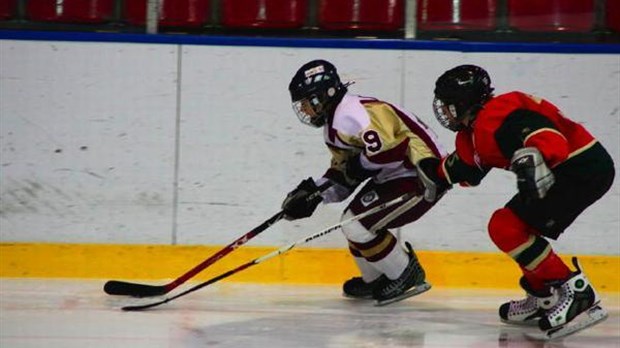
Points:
x=90, y=148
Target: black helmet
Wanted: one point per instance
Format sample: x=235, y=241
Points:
x=316, y=90
x=460, y=92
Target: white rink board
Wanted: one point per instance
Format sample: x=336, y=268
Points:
x=240, y=146
x=86, y=142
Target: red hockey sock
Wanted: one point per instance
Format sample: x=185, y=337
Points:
x=532, y=252
x=552, y=268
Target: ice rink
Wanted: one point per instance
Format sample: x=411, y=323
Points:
x=71, y=313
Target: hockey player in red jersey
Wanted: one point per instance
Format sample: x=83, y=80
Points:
x=561, y=169
x=368, y=139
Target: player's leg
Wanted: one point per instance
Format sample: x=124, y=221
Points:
x=510, y=228
x=410, y=282
x=537, y=260
x=368, y=248
x=376, y=248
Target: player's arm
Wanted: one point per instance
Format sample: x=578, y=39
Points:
x=304, y=199
x=460, y=167
x=428, y=173
x=344, y=184
x=534, y=145
x=526, y=128
x=427, y=164
x=454, y=169
x=534, y=178
x=438, y=175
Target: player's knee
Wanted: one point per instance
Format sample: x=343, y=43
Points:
x=355, y=231
x=507, y=230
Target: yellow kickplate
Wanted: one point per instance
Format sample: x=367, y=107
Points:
x=302, y=266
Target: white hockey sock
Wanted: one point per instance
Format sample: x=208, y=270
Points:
x=368, y=270
x=394, y=263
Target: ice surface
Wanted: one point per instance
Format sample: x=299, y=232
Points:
x=76, y=313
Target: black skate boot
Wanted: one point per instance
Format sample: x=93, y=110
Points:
x=528, y=310
x=577, y=308
x=356, y=287
x=410, y=283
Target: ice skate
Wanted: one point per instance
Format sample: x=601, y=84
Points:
x=356, y=287
x=416, y=290
x=528, y=310
x=578, y=307
x=410, y=283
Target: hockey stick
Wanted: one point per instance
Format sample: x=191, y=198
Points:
x=116, y=287
x=280, y=251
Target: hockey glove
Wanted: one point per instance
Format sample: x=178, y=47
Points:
x=534, y=178
x=434, y=186
x=302, y=201
x=355, y=171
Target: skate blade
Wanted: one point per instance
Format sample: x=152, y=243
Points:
x=591, y=317
x=527, y=323
x=412, y=292
x=361, y=298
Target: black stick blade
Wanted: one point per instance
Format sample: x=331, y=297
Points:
x=141, y=307
x=115, y=287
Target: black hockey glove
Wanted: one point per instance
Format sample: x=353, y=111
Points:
x=534, y=178
x=302, y=201
x=355, y=171
x=434, y=186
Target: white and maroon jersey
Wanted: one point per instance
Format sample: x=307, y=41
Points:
x=387, y=138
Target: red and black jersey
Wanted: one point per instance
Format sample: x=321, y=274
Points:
x=507, y=123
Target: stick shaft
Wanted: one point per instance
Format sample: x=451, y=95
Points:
x=225, y=251
x=115, y=287
x=279, y=251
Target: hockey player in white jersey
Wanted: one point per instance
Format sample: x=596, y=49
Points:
x=368, y=139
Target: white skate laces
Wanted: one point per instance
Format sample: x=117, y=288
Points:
x=528, y=310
